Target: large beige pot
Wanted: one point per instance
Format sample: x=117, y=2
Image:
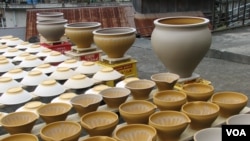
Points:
x=114, y=41
x=51, y=30
x=181, y=43
x=49, y=16
x=81, y=33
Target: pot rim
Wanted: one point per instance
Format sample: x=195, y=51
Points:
x=111, y=31
x=204, y=21
x=50, y=14
x=78, y=25
x=49, y=22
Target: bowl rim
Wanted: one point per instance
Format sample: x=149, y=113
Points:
x=172, y=91
x=21, y=134
x=235, y=116
x=204, y=130
x=151, y=82
x=154, y=107
x=172, y=75
x=68, y=106
x=188, y=120
x=211, y=87
x=228, y=92
x=58, y=123
x=200, y=102
x=126, y=93
x=34, y=118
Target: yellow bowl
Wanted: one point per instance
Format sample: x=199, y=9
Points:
x=99, y=123
x=169, y=100
x=230, y=102
x=136, y=111
x=61, y=130
x=99, y=138
x=85, y=103
x=115, y=96
x=169, y=124
x=19, y=122
x=201, y=113
x=53, y=112
x=21, y=137
x=165, y=81
x=198, y=91
x=140, y=89
x=135, y=132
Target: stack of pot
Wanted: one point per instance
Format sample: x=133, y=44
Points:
x=50, y=25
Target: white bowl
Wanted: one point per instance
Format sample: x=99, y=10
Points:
x=208, y=134
x=12, y=52
x=55, y=57
x=78, y=81
x=44, y=53
x=8, y=82
x=15, y=95
x=240, y=119
x=6, y=65
x=33, y=78
x=45, y=68
x=23, y=45
x=62, y=73
x=70, y=63
x=107, y=74
x=4, y=48
x=88, y=68
x=125, y=81
x=34, y=49
x=65, y=98
x=16, y=73
x=30, y=62
x=20, y=57
x=97, y=89
x=14, y=42
x=49, y=88
x=5, y=39
x=31, y=107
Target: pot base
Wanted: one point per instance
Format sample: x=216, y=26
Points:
x=125, y=58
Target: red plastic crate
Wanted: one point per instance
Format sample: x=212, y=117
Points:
x=60, y=46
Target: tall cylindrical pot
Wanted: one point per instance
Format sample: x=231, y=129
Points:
x=181, y=43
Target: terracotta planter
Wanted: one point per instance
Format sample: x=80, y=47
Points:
x=49, y=16
x=81, y=33
x=51, y=30
x=181, y=43
x=114, y=41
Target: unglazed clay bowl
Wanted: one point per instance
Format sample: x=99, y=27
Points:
x=208, y=134
x=114, y=96
x=135, y=132
x=169, y=124
x=140, y=89
x=19, y=122
x=99, y=138
x=99, y=123
x=201, y=113
x=52, y=112
x=114, y=41
x=21, y=137
x=61, y=131
x=198, y=91
x=165, y=81
x=122, y=83
x=136, y=111
x=85, y=103
x=169, y=100
x=240, y=119
x=230, y=102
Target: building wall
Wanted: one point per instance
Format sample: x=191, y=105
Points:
x=15, y=17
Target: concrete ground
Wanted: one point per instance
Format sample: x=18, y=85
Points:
x=226, y=65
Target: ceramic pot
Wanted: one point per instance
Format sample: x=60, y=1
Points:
x=181, y=43
x=81, y=33
x=49, y=16
x=51, y=30
x=114, y=41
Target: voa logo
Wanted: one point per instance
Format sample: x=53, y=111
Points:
x=236, y=132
